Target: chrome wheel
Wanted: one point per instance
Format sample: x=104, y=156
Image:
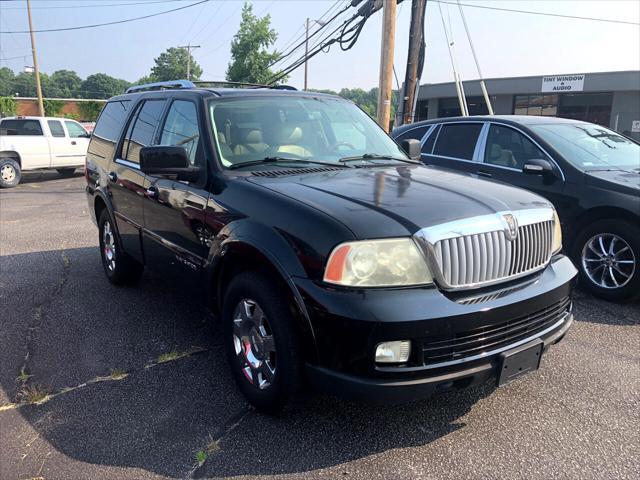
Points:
x=108, y=246
x=608, y=260
x=8, y=173
x=254, y=344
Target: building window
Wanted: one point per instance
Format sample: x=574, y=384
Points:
x=590, y=107
x=545, y=105
x=450, y=107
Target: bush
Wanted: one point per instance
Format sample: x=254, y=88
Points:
x=89, y=111
x=72, y=116
x=7, y=106
x=53, y=108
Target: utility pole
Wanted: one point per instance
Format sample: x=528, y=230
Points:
x=386, y=62
x=188, y=49
x=483, y=87
x=35, y=61
x=414, y=63
x=306, y=53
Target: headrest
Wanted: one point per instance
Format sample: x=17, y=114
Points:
x=289, y=135
x=254, y=136
x=496, y=151
x=222, y=137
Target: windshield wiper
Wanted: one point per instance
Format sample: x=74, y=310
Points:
x=376, y=156
x=285, y=160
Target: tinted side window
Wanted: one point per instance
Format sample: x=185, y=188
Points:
x=111, y=120
x=428, y=145
x=507, y=147
x=142, y=129
x=458, y=140
x=75, y=130
x=181, y=128
x=416, y=133
x=21, y=127
x=56, y=128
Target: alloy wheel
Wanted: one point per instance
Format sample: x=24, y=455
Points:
x=8, y=173
x=109, y=246
x=608, y=260
x=254, y=343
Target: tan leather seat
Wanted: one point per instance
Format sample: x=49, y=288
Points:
x=501, y=156
x=251, y=143
x=289, y=138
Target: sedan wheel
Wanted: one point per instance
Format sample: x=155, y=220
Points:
x=109, y=246
x=608, y=260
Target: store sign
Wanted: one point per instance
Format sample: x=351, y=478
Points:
x=635, y=126
x=563, y=83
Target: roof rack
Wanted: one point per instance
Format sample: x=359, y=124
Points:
x=161, y=86
x=243, y=84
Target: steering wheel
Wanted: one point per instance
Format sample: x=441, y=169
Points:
x=337, y=145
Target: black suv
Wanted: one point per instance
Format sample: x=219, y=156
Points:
x=329, y=255
x=590, y=174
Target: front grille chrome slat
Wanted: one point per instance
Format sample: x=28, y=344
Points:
x=486, y=253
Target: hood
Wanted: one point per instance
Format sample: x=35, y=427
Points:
x=381, y=202
x=627, y=181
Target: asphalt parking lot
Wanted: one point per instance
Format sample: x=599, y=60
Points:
x=134, y=383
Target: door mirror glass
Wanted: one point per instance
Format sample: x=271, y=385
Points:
x=412, y=147
x=167, y=161
x=537, y=166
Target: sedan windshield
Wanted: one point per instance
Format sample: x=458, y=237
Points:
x=274, y=129
x=591, y=147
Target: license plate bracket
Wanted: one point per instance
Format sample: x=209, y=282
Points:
x=520, y=361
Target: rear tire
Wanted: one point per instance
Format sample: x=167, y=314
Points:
x=607, y=254
x=66, y=172
x=10, y=172
x=260, y=341
x=120, y=268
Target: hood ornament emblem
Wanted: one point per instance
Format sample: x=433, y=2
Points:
x=512, y=226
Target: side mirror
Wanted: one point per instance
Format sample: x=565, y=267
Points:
x=412, y=148
x=165, y=161
x=537, y=166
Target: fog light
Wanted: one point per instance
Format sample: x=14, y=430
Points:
x=393, y=352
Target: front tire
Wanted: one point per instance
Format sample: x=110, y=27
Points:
x=66, y=172
x=607, y=254
x=10, y=173
x=120, y=268
x=261, y=343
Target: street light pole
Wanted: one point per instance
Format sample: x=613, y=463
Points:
x=35, y=62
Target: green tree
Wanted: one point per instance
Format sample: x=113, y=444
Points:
x=101, y=85
x=64, y=84
x=53, y=108
x=24, y=85
x=172, y=65
x=6, y=80
x=7, y=106
x=250, y=58
x=89, y=111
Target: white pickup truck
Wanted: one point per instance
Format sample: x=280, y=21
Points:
x=30, y=143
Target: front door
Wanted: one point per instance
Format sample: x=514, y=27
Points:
x=174, y=211
x=126, y=180
x=79, y=141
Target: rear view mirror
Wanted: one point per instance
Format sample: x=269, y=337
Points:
x=166, y=161
x=537, y=166
x=412, y=147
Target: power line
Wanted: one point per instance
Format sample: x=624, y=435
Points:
x=559, y=15
x=80, y=27
x=94, y=5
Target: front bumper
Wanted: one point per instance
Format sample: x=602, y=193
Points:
x=347, y=325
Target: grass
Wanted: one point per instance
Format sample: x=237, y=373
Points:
x=33, y=394
x=117, y=374
x=202, y=455
x=171, y=356
x=24, y=376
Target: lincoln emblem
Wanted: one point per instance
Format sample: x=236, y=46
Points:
x=512, y=226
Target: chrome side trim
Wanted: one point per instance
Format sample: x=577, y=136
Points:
x=127, y=163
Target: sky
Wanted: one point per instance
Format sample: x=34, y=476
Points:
x=507, y=43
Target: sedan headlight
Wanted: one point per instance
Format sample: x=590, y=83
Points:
x=377, y=263
x=557, y=234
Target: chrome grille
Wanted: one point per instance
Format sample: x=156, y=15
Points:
x=481, y=252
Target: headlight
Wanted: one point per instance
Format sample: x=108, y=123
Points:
x=557, y=234
x=377, y=263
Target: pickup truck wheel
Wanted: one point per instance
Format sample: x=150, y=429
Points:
x=9, y=173
x=66, y=172
x=607, y=254
x=261, y=343
x=120, y=268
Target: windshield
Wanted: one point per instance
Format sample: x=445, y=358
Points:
x=591, y=147
x=315, y=129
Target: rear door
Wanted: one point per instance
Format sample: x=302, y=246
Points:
x=174, y=211
x=455, y=146
x=27, y=137
x=125, y=180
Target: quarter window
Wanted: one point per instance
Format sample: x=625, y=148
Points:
x=75, y=130
x=428, y=145
x=56, y=128
x=111, y=119
x=21, y=127
x=415, y=133
x=181, y=128
x=507, y=147
x=458, y=140
x=141, y=129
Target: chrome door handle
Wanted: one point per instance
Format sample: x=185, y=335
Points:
x=482, y=173
x=152, y=192
x=73, y=142
x=113, y=177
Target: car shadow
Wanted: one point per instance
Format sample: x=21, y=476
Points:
x=40, y=176
x=173, y=394
x=588, y=308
